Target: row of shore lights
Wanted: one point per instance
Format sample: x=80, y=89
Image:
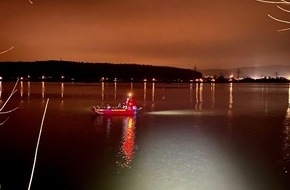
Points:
x=115, y=79
x=42, y=77
x=103, y=79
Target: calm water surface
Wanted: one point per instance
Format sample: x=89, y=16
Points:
x=187, y=136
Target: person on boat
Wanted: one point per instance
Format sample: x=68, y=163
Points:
x=108, y=106
x=119, y=105
x=130, y=103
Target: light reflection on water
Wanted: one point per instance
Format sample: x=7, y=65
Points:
x=231, y=101
x=28, y=90
x=212, y=89
x=145, y=91
x=183, y=136
x=0, y=91
x=153, y=91
x=182, y=160
x=286, y=136
x=21, y=89
x=126, y=153
x=183, y=113
x=42, y=90
x=286, y=147
x=127, y=147
x=198, y=96
x=62, y=90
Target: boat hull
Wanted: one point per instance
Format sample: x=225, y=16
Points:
x=113, y=111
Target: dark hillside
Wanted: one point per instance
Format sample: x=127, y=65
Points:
x=54, y=70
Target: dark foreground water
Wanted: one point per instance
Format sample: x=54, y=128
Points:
x=187, y=136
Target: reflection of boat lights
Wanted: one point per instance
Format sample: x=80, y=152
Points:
x=128, y=143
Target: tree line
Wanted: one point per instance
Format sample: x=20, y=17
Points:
x=88, y=72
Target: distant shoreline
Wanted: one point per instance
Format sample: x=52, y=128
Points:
x=68, y=71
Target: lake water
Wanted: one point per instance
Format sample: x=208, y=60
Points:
x=187, y=136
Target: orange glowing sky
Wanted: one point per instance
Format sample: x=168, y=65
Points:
x=181, y=33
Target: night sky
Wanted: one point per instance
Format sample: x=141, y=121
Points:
x=181, y=33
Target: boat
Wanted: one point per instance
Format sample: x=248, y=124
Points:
x=128, y=108
x=114, y=111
